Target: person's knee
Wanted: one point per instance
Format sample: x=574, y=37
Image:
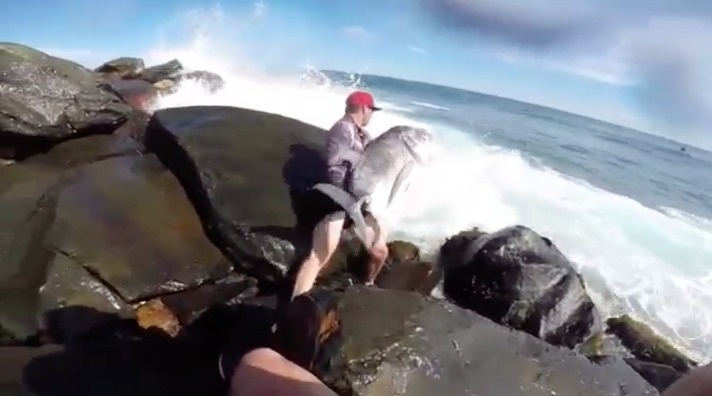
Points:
x=261, y=357
x=379, y=251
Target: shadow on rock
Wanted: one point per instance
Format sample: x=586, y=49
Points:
x=122, y=358
x=232, y=164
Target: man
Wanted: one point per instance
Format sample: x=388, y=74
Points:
x=345, y=143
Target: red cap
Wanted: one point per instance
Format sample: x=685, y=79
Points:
x=360, y=98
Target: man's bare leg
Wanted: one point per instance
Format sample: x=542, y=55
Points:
x=379, y=249
x=266, y=372
x=325, y=240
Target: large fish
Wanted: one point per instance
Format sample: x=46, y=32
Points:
x=388, y=159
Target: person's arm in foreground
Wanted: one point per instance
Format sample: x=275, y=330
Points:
x=697, y=382
x=266, y=372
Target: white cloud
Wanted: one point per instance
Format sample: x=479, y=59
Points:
x=609, y=69
x=259, y=8
x=357, y=33
x=417, y=50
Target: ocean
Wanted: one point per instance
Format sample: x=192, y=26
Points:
x=631, y=210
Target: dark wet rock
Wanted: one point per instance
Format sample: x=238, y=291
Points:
x=124, y=67
x=44, y=99
x=211, y=81
x=28, y=197
x=12, y=362
x=661, y=376
x=646, y=345
x=369, y=341
x=242, y=170
x=125, y=360
x=520, y=279
x=94, y=223
x=139, y=94
x=68, y=284
x=456, y=247
x=128, y=221
x=405, y=270
x=168, y=70
x=188, y=306
x=154, y=315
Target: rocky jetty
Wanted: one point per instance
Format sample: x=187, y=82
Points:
x=136, y=246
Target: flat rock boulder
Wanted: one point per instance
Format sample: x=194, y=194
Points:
x=244, y=171
x=654, y=358
x=44, y=99
x=370, y=341
x=128, y=221
x=84, y=234
x=124, y=67
x=163, y=71
x=520, y=279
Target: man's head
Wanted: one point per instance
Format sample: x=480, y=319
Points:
x=360, y=106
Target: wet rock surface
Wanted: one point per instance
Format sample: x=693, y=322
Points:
x=163, y=71
x=248, y=210
x=127, y=220
x=520, y=279
x=368, y=341
x=646, y=345
x=124, y=67
x=44, y=99
x=96, y=223
x=654, y=358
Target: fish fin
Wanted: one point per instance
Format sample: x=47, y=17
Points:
x=412, y=152
x=343, y=198
x=360, y=226
x=402, y=177
x=350, y=205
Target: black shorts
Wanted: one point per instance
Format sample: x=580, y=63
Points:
x=314, y=206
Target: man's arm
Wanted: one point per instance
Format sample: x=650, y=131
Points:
x=340, y=144
x=340, y=152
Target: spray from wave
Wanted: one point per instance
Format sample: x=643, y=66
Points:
x=634, y=259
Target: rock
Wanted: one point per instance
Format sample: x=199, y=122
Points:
x=404, y=270
x=456, y=247
x=520, y=279
x=369, y=341
x=27, y=201
x=44, y=99
x=125, y=361
x=211, y=81
x=189, y=305
x=12, y=361
x=97, y=229
x=645, y=345
x=68, y=288
x=154, y=314
x=124, y=67
x=142, y=238
x=242, y=170
x=168, y=70
x=661, y=376
x=139, y=94
x=165, y=85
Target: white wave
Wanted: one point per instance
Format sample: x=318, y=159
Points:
x=634, y=259
x=430, y=105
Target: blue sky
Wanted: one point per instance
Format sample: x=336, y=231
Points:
x=483, y=46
